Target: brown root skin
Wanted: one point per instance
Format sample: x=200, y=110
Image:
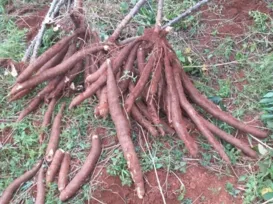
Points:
x=175, y=108
x=57, y=70
x=95, y=75
x=102, y=109
x=47, y=119
x=66, y=80
x=69, y=77
x=155, y=117
x=49, y=87
x=86, y=170
x=94, y=64
x=88, y=92
x=102, y=79
x=230, y=139
x=40, y=197
x=53, y=61
x=211, y=108
x=188, y=108
x=144, y=110
x=10, y=190
x=19, y=95
x=155, y=79
x=55, y=135
x=87, y=64
x=140, y=84
x=33, y=67
x=34, y=103
x=136, y=114
x=54, y=166
x=123, y=132
x=117, y=62
x=64, y=171
x=140, y=59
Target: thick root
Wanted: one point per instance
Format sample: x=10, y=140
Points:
x=8, y=192
x=86, y=170
x=123, y=132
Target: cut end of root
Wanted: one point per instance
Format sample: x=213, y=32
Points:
x=168, y=29
x=108, y=62
x=140, y=193
x=95, y=137
x=106, y=47
x=49, y=156
x=61, y=188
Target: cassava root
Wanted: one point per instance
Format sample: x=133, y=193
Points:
x=140, y=80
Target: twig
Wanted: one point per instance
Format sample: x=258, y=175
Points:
x=159, y=15
x=126, y=20
x=128, y=40
x=29, y=50
x=186, y=13
x=156, y=175
x=57, y=8
x=54, y=8
x=268, y=201
x=197, y=198
x=262, y=143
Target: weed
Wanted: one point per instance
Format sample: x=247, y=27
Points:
x=261, y=20
x=206, y=158
x=224, y=88
x=187, y=201
x=231, y=190
x=128, y=75
x=12, y=39
x=118, y=167
x=267, y=106
x=50, y=37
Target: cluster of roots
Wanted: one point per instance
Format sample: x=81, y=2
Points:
x=140, y=80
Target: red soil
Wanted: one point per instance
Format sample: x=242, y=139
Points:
x=32, y=21
x=201, y=186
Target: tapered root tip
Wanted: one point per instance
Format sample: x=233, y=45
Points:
x=71, y=105
x=140, y=193
x=15, y=89
x=63, y=197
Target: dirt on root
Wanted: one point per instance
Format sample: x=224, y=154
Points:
x=200, y=186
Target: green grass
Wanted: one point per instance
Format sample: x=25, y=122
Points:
x=12, y=39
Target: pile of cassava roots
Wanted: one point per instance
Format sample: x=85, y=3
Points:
x=160, y=97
